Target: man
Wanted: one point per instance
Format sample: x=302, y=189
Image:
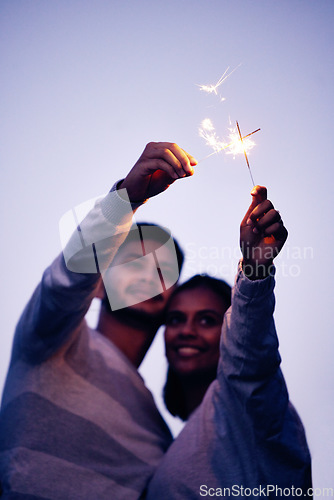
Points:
x=77, y=421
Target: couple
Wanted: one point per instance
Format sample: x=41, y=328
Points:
x=77, y=421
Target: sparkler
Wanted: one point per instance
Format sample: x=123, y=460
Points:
x=236, y=144
x=242, y=142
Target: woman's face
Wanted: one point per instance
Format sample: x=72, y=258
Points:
x=193, y=328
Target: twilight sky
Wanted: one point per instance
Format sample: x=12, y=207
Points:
x=86, y=84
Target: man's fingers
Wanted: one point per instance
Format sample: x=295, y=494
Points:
x=186, y=161
x=155, y=164
x=160, y=164
x=192, y=160
x=180, y=161
x=177, y=163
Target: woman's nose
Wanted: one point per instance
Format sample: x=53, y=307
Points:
x=188, y=329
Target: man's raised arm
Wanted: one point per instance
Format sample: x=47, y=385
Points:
x=68, y=286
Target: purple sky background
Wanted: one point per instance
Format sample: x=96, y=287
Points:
x=85, y=85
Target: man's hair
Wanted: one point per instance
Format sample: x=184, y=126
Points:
x=151, y=231
x=172, y=392
x=142, y=231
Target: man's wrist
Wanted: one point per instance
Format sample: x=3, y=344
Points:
x=118, y=186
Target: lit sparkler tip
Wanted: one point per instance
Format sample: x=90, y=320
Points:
x=246, y=157
x=237, y=143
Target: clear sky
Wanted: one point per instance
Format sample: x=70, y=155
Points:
x=85, y=85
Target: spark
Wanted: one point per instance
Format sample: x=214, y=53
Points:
x=235, y=144
x=212, y=89
x=207, y=131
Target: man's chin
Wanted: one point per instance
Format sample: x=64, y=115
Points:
x=152, y=305
x=148, y=308
x=140, y=297
x=142, y=313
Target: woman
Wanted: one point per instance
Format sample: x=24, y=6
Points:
x=245, y=438
x=193, y=327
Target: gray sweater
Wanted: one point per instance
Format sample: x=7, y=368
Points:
x=246, y=433
x=77, y=421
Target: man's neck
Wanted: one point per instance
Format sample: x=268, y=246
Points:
x=131, y=336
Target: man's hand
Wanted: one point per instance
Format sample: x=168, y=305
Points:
x=160, y=164
x=262, y=235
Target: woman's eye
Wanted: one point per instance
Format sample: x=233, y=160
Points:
x=208, y=321
x=173, y=320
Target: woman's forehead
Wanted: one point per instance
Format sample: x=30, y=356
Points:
x=192, y=299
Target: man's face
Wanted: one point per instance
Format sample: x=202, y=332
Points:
x=142, y=276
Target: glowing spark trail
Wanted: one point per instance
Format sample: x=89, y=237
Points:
x=212, y=89
x=207, y=131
